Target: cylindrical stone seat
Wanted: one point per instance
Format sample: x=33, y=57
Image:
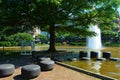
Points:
x=6, y=69
x=60, y=59
x=43, y=58
x=72, y=59
x=46, y=65
x=107, y=55
x=114, y=59
x=82, y=54
x=30, y=71
x=101, y=59
x=85, y=58
x=94, y=54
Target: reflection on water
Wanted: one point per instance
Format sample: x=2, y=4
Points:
x=108, y=68
x=97, y=66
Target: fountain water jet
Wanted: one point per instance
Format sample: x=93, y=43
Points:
x=94, y=43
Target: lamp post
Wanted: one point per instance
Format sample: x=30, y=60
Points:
x=3, y=50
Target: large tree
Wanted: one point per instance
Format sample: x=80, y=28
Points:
x=71, y=16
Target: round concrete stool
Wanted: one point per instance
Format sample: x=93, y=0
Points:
x=85, y=58
x=6, y=69
x=101, y=59
x=72, y=59
x=93, y=54
x=60, y=59
x=82, y=54
x=30, y=71
x=43, y=58
x=107, y=55
x=46, y=65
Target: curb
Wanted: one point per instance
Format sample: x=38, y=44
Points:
x=85, y=71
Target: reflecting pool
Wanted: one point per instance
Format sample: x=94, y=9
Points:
x=106, y=67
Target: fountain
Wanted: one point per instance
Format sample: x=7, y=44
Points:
x=94, y=42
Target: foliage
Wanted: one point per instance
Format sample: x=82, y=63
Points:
x=5, y=43
x=14, y=40
x=17, y=38
x=62, y=16
x=108, y=44
x=43, y=38
x=24, y=36
x=78, y=43
x=109, y=32
x=58, y=44
x=72, y=16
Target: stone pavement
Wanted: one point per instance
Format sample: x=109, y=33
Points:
x=58, y=73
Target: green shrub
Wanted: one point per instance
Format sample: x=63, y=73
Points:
x=5, y=43
x=111, y=44
x=78, y=43
x=16, y=39
x=43, y=38
x=23, y=37
x=58, y=44
x=13, y=43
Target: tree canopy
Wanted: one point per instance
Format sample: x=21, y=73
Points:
x=63, y=16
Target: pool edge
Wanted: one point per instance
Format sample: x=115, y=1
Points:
x=85, y=71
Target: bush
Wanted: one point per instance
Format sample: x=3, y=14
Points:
x=12, y=40
x=5, y=43
x=13, y=43
x=58, y=44
x=111, y=44
x=78, y=43
x=15, y=40
x=43, y=38
x=23, y=37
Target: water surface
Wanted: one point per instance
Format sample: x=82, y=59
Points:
x=107, y=67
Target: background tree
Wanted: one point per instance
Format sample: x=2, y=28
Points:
x=43, y=38
x=66, y=16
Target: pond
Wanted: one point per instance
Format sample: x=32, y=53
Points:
x=106, y=67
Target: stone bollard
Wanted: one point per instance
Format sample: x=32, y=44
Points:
x=82, y=54
x=93, y=54
x=107, y=55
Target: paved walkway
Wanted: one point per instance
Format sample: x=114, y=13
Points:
x=58, y=73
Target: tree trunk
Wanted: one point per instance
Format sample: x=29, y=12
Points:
x=52, y=39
